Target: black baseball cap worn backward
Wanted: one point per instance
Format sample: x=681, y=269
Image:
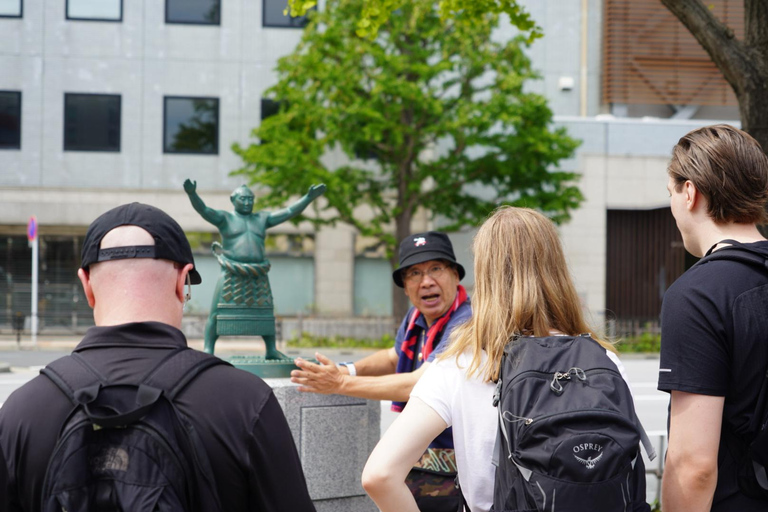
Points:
x=421, y=247
x=170, y=241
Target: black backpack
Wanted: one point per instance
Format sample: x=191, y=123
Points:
x=752, y=456
x=568, y=437
x=126, y=448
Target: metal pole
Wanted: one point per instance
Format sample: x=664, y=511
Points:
x=35, y=258
x=583, y=75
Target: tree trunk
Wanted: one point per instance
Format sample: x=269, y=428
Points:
x=753, y=99
x=400, y=302
x=753, y=105
x=744, y=64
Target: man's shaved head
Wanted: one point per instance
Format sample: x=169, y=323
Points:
x=133, y=289
x=125, y=236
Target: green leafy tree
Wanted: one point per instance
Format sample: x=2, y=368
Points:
x=431, y=114
x=371, y=14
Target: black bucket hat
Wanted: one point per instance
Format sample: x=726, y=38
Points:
x=421, y=247
x=170, y=241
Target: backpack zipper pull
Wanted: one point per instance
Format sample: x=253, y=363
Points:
x=555, y=384
x=578, y=372
x=497, y=394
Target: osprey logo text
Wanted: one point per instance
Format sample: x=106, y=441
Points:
x=590, y=461
x=420, y=241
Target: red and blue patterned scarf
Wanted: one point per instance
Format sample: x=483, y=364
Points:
x=407, y=361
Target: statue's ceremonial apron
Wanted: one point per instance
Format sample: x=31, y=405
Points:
x=246, y=307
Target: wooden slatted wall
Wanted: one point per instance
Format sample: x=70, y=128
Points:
x=649, y=57
x=645, y=256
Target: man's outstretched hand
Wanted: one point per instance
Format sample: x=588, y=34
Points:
x=190, y=187
x=324, y=378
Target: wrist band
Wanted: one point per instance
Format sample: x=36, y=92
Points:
x=350, y=368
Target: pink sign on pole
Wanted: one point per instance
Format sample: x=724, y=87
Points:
x=32, y=229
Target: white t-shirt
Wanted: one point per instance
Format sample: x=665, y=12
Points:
x=467, y=406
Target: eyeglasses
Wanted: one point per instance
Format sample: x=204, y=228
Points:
x=415, y=275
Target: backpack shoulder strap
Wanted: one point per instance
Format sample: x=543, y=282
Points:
x=179, y=368
x=737, y=252
x=73, y=373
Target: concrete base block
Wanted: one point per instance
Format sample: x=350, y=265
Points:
x=334, y=435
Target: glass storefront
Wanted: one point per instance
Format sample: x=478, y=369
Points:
x=62, y=304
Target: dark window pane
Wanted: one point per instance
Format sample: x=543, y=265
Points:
x=191, y=125
x=10, y=120
x=269, y=108
x=10, y=8
x=91, y=122
x=101, y=10
x=273, y=15
x=204, y=12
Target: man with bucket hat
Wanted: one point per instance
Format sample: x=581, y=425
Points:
x=235, y=449
x=430, y=275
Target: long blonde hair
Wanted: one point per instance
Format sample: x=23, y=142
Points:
x=522, y=286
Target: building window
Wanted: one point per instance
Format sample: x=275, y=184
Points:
x=10, y=120
x=91, y=122
x=269, y=108
x=95, y=10
x=194, y=12
x=10, y=8
x=272, y=15
x=191, y=125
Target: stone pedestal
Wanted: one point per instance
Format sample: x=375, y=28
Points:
x=334, y=435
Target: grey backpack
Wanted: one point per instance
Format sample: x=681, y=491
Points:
x=568, y=437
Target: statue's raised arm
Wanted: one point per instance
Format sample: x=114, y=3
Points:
x=296, y=208
x=215, y=217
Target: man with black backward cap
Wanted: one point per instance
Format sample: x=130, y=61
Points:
x=136, y=263
x=430, y=275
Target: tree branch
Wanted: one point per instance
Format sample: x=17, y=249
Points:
x=729, y=54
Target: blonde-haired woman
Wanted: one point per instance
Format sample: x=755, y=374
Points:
x=522, y=285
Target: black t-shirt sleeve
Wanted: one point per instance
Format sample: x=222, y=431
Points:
x=276, y=479
x=694, y=351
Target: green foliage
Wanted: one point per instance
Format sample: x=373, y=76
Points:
x=199, y=240
x=646, y=342
x=307, y=340
x=437, y=103
x=375, y=13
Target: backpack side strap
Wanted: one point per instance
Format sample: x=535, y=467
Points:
x=646, y=442
x=73, y=373
x=178, y=369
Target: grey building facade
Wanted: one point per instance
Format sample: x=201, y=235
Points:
x=104, y=102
